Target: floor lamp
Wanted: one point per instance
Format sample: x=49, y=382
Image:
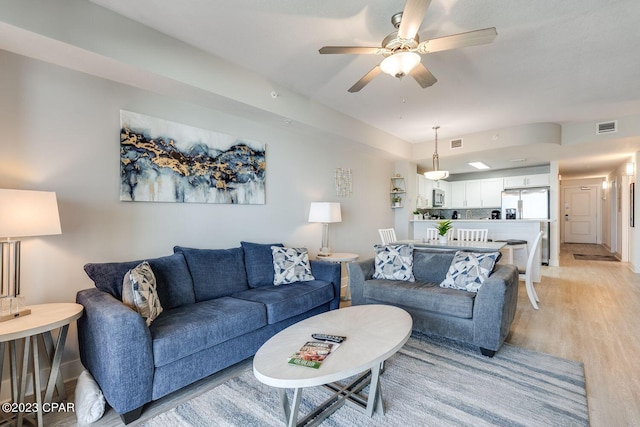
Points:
x=22, y=214
x=325, y=213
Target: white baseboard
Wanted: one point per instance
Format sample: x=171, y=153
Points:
x=70, y=372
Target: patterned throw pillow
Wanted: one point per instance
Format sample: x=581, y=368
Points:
x=394, y=262
x=469, y=270
x=290, y=265
x=139, y=292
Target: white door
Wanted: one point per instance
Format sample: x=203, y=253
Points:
x=580, y=219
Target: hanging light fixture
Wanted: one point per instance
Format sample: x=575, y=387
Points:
x=400, y=64
x=436, y=174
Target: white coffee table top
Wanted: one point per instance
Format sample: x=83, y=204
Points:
x=374, y=333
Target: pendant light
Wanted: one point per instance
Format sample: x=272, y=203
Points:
x=436, y=174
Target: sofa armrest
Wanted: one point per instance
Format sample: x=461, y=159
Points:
x=330, y=272
x=115, y=346
x=495, y=307
x=359, y=273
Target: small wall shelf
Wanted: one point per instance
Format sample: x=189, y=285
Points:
x=397, y=192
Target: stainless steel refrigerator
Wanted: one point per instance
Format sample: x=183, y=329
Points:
x=529, y=203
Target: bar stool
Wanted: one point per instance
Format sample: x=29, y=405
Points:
x=514, y=245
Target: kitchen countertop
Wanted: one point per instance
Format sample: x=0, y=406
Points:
x=481, y=220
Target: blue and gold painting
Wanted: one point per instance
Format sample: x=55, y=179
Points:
x=164, y=161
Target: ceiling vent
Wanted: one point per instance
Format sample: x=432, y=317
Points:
x=455, y=143
x=607, y=127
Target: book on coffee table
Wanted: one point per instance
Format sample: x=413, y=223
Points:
x=312, y=354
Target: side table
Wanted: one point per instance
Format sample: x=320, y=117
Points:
x=43, y=319
x=342, y=258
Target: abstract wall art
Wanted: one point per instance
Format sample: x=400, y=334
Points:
x=164, y=161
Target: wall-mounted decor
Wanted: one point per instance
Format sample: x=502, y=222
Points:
x=163, y=161
x=344, y=186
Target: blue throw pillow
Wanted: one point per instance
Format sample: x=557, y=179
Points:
x=258, y=261
x=215, y=272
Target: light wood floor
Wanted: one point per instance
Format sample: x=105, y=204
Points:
x=589, y=312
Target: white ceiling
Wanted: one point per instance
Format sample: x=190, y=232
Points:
x=552, y=61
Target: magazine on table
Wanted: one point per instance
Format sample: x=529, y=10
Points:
x=313, y=353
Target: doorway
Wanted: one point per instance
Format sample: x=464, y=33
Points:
x=580, y=214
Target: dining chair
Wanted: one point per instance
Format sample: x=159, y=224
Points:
x=472, y=235
x=387, y=235
x=432, y=234
x=528, y=274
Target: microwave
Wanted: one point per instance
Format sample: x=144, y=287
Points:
x=438, y=198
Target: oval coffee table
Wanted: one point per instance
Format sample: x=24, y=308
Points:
x=374, y=333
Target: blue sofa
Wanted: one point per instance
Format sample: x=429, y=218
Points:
x=219, y=307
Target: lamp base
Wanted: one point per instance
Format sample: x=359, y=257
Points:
x=21, y=313
x=324, y=251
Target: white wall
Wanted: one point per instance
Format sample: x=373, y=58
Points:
x=61, y=133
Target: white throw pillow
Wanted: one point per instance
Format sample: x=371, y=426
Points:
x=139, y=292
x=89, y=399
x=290, y=265
x=394, y=262
x=469, y=270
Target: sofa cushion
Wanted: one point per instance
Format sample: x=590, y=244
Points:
x=173, y=280
x=421, y=295
x=469, y=270
x=431, y=266
x=258, y=262
x=283, y=302
x=184, y=331
x=394, y=262
x=215, y=272
x=290, y=265
x=139, y=292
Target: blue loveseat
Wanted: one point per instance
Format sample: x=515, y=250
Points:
x=481, y=318
x=219, y=307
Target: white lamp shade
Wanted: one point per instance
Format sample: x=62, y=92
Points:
x=28, y=213
x=400, y=64
x=325, y=212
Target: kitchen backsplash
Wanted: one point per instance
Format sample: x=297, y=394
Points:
x=462, y=213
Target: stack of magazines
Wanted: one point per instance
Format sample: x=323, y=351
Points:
x=313, y=353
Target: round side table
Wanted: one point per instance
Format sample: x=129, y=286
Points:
x=342, y=258
x=43, y=319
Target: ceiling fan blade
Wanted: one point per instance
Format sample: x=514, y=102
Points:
x=412, y=16
x=455, y=41
x=423, y=76
x=355, y=50
x=366, y=79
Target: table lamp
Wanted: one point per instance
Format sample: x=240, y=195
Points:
x=22, y=214
x=325, y=212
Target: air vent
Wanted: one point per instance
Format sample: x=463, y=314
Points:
x=455, y=143
x=607, y=127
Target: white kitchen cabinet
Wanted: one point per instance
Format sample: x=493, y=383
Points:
x=458, y=194
x=425, y=187
x=479, y=193
x=523, y=181
x=491, y=193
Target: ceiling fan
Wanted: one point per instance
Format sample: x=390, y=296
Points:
x=402, y=48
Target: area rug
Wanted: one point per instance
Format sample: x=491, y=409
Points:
x=430, y=382
x=587, y=257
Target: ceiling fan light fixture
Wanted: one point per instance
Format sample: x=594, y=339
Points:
x=400, y=64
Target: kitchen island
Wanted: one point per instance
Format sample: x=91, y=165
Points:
x=499, y=229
